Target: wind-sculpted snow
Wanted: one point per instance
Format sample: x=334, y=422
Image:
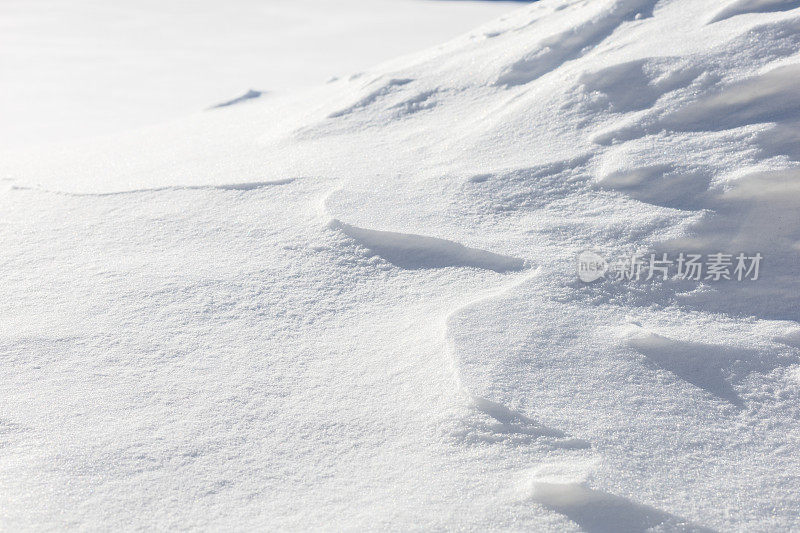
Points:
x=769, y=97
x=596, y=511
x=357, y=307
x=742, y=7
x=701, y=365
x=407, y=250
x=247, y=186
x=372, y=97
x=555, y=50
x=753, y=212
x=249, y=95
x=637, y=85
x=662, y=184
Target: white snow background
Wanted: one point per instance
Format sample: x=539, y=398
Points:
x=354, y=306
x=78, y=68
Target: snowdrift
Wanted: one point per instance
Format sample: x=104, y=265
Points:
x=357, y=307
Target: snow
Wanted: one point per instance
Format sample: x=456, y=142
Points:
x=407, y=250
x=754, y=6
x=87, y=68
x=355, y=306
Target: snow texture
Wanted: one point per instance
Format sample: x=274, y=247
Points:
x=356, y=306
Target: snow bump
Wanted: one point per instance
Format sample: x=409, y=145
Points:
x=412, y=251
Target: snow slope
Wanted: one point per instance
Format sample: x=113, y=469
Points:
x=88, y=68
x=356, y=307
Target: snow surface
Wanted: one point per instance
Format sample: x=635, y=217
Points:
x=91, y=67
x=356, y=306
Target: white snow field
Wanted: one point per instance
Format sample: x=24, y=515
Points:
x=356, y=307
x=83, y=68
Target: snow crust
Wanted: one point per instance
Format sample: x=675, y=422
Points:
x=357, y=308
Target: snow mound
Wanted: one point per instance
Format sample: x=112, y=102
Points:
x=598, y=511
x=754, y=6
x=249, y=95
x=233, y=359
x=407, y=250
